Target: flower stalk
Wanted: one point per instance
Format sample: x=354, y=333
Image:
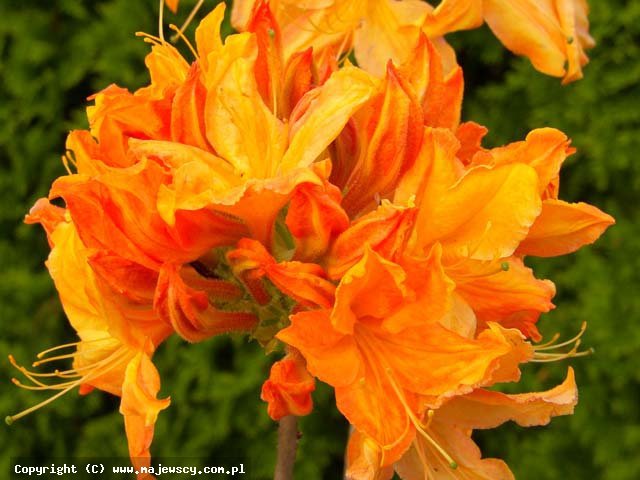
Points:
x=287, y=445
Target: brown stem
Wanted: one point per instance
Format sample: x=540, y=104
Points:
x=287, y=443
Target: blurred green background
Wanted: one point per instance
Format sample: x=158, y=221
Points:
x=54, y=54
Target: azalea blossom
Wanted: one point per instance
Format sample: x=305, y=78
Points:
x=341, y=215
x=553, y=35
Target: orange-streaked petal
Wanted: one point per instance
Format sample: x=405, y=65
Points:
x=374, y=287
x=315, y=218
x=288, y=389
x=119, y=115
x=208, y=41
x=424, y=461
x=187, y=111
x=392, y=135
x=363, y=459
x=269, y=64
x=470, y=135
x=544, y=149
x=140, y=408
x=485, y=215
x=330, y=355
x=168, y=70
x=452, y=15
x=133, y=281
x=434, y=172
x=323, y=112
x=439, y=90
x=489, y=409
x=298, y=80
x=388, y=31
x=563, y=228
x=553, y=35
x=385, y=230
x=514, y=298
x=240, y=126
x=114, y=212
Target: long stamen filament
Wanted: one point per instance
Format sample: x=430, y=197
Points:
x=553, y=340
x=563, y=356
x=39, y=387
x=175, y=36
x=96, y=369
x=185, y=39
x=71, y=345
x=161, y=21
x=152, y=39
x=53, y=359
x=418, y=425
x=12, y=418
x=551, y=346
x=544, y=353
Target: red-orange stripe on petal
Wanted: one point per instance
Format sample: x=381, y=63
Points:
x=392, y=134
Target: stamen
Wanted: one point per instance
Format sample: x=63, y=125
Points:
x=148, y=38
x=554, y=339
x=186, y=23
x=53, y=359
x=551, y=346
x=109, y=363
x=185, y=39
x=59, y=347
x=12, y=418
x=60, y=386
x=417, y=424
x=560, y=356
x=69, y=345
x=161, y=21
x=542, y=355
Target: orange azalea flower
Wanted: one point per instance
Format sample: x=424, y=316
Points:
x=553, y=37
x=288, y=389
x=382, y=348
x=450, y=427
x=169, y=140
x=443, y=166
x=203, y=156
x=479, y=217
x=562, y=227
x=118, y=331
x=377, y=30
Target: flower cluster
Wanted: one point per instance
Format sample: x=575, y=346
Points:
x=340, y=214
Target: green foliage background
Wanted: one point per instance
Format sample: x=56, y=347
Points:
x=54, y=54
